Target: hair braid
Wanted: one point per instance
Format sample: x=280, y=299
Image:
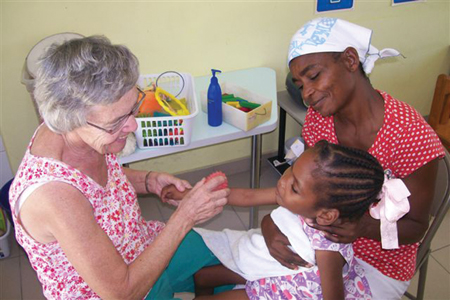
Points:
x=351, y=179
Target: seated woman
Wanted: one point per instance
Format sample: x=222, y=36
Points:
x=329, y=60
x=75, y=208
x=326, y=183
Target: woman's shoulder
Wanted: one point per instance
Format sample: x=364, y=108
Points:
x=400, y=111
x=47, y=144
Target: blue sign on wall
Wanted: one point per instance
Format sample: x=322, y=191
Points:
x=329, y=5
x=394, y=2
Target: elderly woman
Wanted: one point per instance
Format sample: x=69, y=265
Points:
x=329, y=59
x=75, y=208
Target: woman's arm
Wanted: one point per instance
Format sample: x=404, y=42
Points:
x=278, y=243
x=67, y=217
x=330, y=264
x=154, y=182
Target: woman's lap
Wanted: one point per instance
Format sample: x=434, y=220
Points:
x=381, y=286
x=191, y=256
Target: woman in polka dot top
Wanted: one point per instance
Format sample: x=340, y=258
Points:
x=329, y=59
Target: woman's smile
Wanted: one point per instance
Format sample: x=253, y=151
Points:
x=318, y=103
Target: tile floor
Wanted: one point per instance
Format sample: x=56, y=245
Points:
x=18, y=280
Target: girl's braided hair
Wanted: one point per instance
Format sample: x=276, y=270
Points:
x=351, y=179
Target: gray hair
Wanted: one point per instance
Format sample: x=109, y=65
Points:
x=79, y=74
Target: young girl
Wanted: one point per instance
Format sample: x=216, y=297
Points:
x=327, y=183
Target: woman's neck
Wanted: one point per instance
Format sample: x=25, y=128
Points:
x=364, y=107
x=357, y=124
x=68, y=148
x=77, y=153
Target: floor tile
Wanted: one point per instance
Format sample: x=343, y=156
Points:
x=226, y=219
x=437, y=285
x=194, y=176
x=442, y=256
x=269, y=178
x=31, y=287
x=150, y=208
x=10, y=280
x=442, y=236
x=14, y=249
x=261, y=211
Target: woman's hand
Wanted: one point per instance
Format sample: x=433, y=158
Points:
x=343, y=231
x=202, y=202
x=278, y=244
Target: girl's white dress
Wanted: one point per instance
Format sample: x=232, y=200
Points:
x=246, y=253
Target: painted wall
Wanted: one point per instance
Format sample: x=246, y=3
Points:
x=194, y=37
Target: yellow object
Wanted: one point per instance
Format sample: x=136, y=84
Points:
x=181, y=110
x=234, y=104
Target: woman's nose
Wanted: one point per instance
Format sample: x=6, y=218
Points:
x=307, y=92
x=131, y=124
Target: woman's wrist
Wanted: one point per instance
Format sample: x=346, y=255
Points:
x=181, y=219
x=147, y=182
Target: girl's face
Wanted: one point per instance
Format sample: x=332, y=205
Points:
x=325, y=82
x=295, y=189
x=116, y=117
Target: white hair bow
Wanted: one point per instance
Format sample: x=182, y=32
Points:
x=393, y=205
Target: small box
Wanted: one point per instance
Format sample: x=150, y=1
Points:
x=237, y=118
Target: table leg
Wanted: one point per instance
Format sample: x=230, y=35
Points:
x=255, y=176
x=281, y=134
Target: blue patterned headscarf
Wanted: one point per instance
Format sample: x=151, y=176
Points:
x=336, y=35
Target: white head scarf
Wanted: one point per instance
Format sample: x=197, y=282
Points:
x=336, y=35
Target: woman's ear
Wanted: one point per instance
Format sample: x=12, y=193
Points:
x=327, y=216
x=351, y=59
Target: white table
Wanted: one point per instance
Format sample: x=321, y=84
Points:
x=258, y=80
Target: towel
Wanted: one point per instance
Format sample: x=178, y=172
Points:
x=246, y=253
x=393, y=205
x=336, y=35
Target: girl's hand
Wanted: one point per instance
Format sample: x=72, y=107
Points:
x=342, y=231
x=157, y=181
x=278, y=244
x=202, y=202
x=170, y=194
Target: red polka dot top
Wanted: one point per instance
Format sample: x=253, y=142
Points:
x=404, y=143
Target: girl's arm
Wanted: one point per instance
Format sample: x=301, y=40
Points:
x=238, y=196
x=252, y=197
x=330, y=264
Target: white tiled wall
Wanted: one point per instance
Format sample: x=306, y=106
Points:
x=5, y=170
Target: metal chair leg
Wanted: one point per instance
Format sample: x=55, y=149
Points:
x=422, y=279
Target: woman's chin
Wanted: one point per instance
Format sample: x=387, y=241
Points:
x=116, y=146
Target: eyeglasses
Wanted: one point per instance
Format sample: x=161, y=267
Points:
x=116, y=126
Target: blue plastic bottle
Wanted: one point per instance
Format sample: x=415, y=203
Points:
x=214, y=101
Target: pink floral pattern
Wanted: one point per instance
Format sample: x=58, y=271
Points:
x=115, y=208
x=404, y=143
x=307, y=284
